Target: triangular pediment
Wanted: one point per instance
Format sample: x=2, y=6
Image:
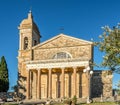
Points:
x=62, y=40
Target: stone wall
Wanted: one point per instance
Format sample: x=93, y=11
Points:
x=101, y=83
x=6, y=94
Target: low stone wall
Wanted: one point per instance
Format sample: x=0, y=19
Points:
x=101, y=83
x=3, y=94
x=6, y=94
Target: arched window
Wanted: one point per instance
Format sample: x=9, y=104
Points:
x=61, y=55
x=35, y=42
x=25, y=43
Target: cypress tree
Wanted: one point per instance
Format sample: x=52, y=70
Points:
x=4, y=80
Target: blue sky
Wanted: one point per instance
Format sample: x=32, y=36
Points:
x=80, y=18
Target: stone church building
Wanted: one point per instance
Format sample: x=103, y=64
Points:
x=55, y=68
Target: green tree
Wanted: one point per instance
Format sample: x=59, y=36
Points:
x=4, y=80
x=110, y=44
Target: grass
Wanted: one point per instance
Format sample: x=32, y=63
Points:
x=9, y=103
x=100, y=103
x=95, y=103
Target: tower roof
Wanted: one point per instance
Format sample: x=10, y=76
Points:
x=29, y=23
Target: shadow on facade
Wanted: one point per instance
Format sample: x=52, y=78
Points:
x=97, y=84
x=70, y=84
x=80, y=84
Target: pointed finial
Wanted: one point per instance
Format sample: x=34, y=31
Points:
x=30, y=14
x=30, y=11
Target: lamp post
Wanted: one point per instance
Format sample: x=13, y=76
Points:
x=88, y=75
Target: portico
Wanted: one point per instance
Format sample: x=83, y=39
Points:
x=56, y=78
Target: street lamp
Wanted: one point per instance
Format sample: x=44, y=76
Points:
x=88, y=74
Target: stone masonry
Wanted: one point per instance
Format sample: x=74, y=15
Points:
x=101, y=83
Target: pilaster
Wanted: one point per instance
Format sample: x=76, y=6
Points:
x=39, y=85
x=63, y=83
x=28, y=85
x=50, y=83
x=75, y=80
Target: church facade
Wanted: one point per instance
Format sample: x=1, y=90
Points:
x=54, y=68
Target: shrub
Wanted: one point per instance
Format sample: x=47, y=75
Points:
x=74, y=99
x=67, y=101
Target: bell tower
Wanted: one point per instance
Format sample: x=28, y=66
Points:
x=29, y=34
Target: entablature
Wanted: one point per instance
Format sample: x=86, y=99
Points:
x=57, y=63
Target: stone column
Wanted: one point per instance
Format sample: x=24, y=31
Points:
x=50, y=83
x=39, y=85
x=88, y=79
x=58, y=86
x=28, y=85
x=63, y=84
x=75, y=80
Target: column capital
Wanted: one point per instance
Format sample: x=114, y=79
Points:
x=62, y=68
x=38, y=69
x=27, y=69
x=49, y=68
x=74, y=67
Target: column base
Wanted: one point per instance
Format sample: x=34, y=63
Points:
x=88, y=100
